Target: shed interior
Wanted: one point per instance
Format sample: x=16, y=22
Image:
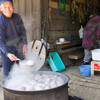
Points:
x=54, y=19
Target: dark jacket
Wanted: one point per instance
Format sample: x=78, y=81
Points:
x=12, y=32
x=91, y=32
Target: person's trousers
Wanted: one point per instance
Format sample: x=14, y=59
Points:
x=7, y=63
x=88, y=56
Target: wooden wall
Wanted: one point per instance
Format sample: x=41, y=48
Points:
x=56, y=21
x=30, y=11
x=57, y=24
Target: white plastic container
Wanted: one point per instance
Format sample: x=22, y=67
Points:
x=61, y=39
x=81, y=32
x=96, y=54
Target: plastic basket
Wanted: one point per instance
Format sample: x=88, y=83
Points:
x=85, y=70
x=55, y=62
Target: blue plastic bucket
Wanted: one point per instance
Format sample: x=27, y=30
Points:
x=85, y=70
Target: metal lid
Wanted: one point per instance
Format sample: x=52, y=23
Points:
x=37, y=53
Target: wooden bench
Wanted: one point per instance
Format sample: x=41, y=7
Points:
x=66, y=51
x=76, y=54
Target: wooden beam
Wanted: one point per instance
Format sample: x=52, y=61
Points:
x=55, y=5
x=45, y=19
x=80, y=1
x=50, y=4
x=76, y=56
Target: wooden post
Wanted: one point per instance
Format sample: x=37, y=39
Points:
x=46, y=18
x=36, y=16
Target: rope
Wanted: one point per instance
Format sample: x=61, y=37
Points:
x=63, y=9
x=62, y=12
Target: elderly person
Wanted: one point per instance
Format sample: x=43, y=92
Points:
x=90, y=34
x=13, y=41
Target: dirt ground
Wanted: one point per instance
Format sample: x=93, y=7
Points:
x=87, y=88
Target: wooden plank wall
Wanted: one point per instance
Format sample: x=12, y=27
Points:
x=30, y=11
x=57, y=23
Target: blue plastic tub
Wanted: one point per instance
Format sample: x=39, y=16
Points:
x=85, y=70
x=55, y=62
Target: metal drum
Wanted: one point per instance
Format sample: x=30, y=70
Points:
x=58, y=93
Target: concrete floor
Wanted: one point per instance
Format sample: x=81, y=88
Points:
x=1, y=91
x=87, y=88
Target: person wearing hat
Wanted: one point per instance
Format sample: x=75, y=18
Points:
x=13, y=40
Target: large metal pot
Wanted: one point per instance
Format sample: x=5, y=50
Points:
x=58, y=93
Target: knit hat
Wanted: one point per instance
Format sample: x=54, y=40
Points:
x=2, y=1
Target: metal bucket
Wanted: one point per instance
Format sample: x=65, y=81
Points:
x=58, y=93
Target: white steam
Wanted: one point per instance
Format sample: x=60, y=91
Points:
x=23, y=78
